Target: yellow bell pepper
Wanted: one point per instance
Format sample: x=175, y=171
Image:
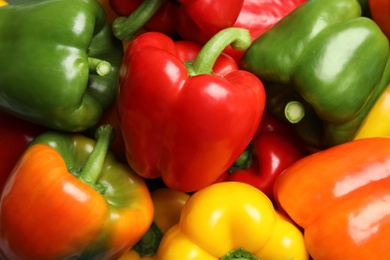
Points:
x=168, y=204
x=3, y=3
x=232, y=220
x=377, y=122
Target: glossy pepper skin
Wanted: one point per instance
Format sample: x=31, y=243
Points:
x=342, y=190
x=380, y=10
x=323, y=66
x=258, y=16
x=182, y=123
x=199, y=19
x=80, y=203
x=231, y=216
x=273, y=148
x=168, y=205
x=15, y=135
x=161, y=18
x=57, y=88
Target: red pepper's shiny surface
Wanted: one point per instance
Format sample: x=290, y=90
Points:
x=15, y=135
x=186, y=129
x=162, y=21
x=259, y=15
x=341, y=198
x=380, y=12
x=200, y=20
x=192, y=20
x=274, y=147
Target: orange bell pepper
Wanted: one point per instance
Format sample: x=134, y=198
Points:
x=68, y=198
x=231, y=220
x=168, y=204
x=341, y=198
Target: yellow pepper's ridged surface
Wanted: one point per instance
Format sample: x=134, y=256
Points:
x=227, y=216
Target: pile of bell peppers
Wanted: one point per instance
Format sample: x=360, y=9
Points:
x=194, y=129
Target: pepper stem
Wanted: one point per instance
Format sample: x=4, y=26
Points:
x=148, y=244
x=239, y=254
x=125, y=28
x=244, y=161
x=238, y=38
x=95, y=162
x=294, y=111
x=101, y=67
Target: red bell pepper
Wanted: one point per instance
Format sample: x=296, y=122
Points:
x=186, y=111
x=255, y=15
x=380, y=12
x=259, y=15
x=341, y=198
x=200, y=18
x=274, y=147
x=148, y=15
x=15, y=135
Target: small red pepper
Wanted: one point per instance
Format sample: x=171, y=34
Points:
x=15, y=135
x=274, y=147
x=158, y=18
x=259, y=15
x=187, y=112
x=201, y=18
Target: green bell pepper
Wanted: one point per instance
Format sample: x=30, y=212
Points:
x=60, y=62
x=331, y=64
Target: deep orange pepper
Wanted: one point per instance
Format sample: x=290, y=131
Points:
x=341, y=198
x=68, y=198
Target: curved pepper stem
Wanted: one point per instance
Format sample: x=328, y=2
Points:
x=125, y=28
x=101, y=67
x=239, y=38
x=94, y=165
x=239, y=254
x=294, y=111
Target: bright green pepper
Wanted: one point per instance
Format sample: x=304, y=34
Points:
x=329, y=58
x=53, y=52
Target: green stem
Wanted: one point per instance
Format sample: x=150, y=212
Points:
x=239, y=254
x=150, y=241
x=101, y=67
x=238, y=38
x=125, y=28
x=294, y=111
x=95, y=162
x=244, y=161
